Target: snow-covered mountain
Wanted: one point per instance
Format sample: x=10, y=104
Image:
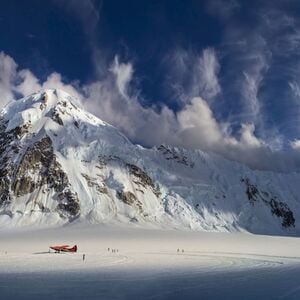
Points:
x=59, y=164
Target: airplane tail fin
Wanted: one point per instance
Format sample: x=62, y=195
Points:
x=74, y=249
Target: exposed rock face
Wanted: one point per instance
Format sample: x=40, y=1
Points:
x=141, y=178
x=175, y=154
x=39, y=167
x=9, y=147
x=251, y=190
x=69, y=205
x=95, y=182
x=278, y=208
x=141, y=182
x=281, y=209
x=130, y=199
x=23, y=171
x=56, y=118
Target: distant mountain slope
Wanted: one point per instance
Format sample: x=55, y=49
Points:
x=59, y=163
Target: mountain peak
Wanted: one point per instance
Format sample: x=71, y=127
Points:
x=43, y=106
x=59, y=163
x=58, y=115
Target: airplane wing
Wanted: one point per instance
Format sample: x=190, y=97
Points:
x=64, y=248
x=59, y=248
x=70, y=249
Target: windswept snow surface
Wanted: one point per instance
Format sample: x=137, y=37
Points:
x=147, y=265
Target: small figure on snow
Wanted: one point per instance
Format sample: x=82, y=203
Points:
x=83, y=257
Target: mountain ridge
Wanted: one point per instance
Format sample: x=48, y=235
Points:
x=60, y=164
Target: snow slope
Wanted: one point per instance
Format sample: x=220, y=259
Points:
x=60, y=164
x=147, y=265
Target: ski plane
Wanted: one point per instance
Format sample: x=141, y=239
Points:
x=64, y=248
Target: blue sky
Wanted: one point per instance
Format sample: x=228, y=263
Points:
x=219, y=75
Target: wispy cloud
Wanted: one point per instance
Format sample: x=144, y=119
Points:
x=235, y=98
x=248, y=54
x=192, y=74
x=15, y=81
x=256, y=65
x=8, y=71
x=123, y=75
x=194, y=126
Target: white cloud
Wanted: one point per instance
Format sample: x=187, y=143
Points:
x=248, y=137
x=194, y=126
x=123, y=75
x=294, y=103
x=282, y=31
x=24, y=82
x=249, y=90
x=198, y=127
x=295, y=88
x=54, y=81
x=253, y=81
x=209, y=67
x=109, y=99
x=29, y=83
x=8, y=71
x=254, y=63
x=295, y=145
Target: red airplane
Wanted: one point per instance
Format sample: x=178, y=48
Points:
x=64, y=248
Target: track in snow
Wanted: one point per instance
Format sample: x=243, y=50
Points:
x=147, y=266
x=152, y=275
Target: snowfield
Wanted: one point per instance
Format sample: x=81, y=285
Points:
x=146, y=264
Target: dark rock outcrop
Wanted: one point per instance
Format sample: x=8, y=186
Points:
x=9, y=149
x=277, y=208
x=24, y=171
x=130, y=199
x=93, y=182
x=170, y=153
x=44, y=169
x=141, y=178
x=56, y=118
